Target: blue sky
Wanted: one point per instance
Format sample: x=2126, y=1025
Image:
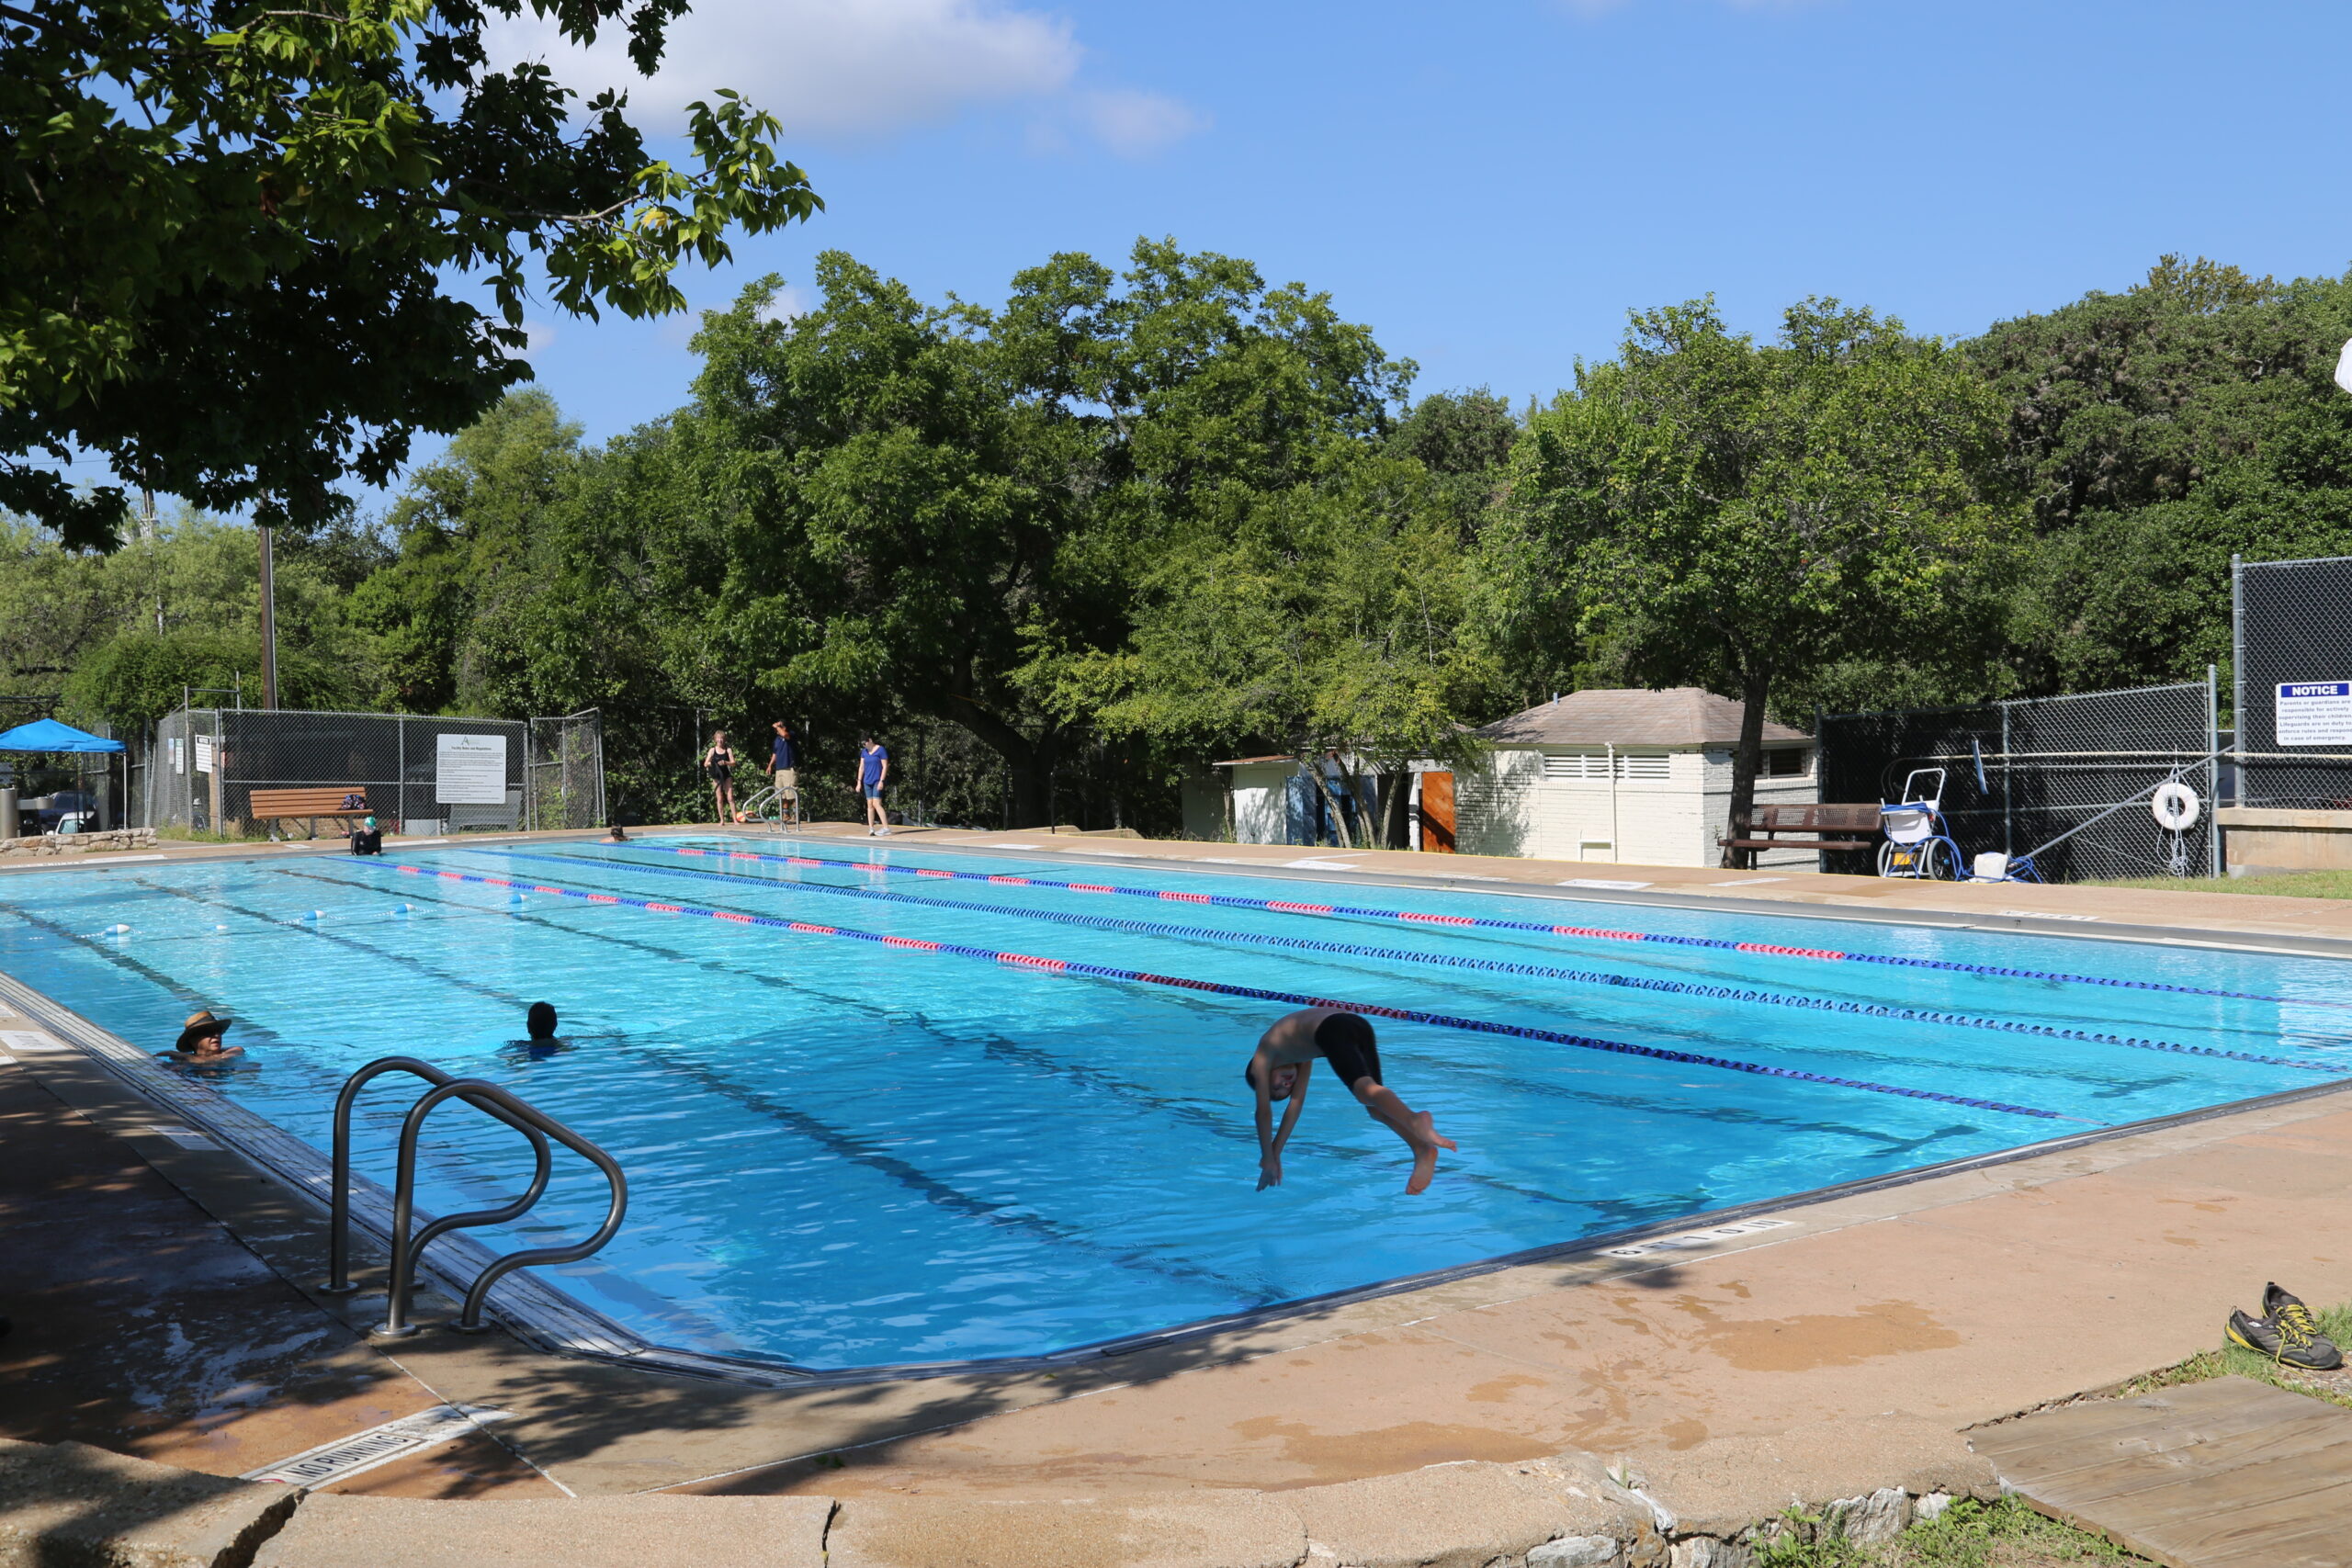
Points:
x=1492, y=184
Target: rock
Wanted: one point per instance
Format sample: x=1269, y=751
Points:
x=648, y=1531
x=1706, y=1551
x=1867, y=1521
x=1930, y=1506
x=1724, y=1485
x=1577, y=1552
x=1207, y=1529
x=71, y=1504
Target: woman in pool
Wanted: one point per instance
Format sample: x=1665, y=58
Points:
x=1279, y=1069
x=201, y=1041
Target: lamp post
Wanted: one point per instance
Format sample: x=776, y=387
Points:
x=268, y=625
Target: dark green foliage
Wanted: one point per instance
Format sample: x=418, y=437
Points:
x=2156, y=433
x=139, y=676
x=228, y=235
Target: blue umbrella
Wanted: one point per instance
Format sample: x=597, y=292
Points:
x=48, y=735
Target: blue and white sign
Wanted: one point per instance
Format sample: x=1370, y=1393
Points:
x=2315, y=713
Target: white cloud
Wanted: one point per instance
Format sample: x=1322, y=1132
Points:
x=1131, y=122
x=855, y=67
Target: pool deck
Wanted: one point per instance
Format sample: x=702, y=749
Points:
x=169, y=1312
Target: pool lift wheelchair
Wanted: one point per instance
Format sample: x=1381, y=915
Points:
x=1919, y=844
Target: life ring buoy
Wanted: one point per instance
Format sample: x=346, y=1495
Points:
x=2176, y=806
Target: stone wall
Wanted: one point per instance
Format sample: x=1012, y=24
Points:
x=80, y=843
x=1717, y=1504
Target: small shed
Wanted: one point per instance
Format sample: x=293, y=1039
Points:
x=1638, y=777
x=1271, y=800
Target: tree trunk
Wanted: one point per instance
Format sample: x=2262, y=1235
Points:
x=1747, y=762
x=1396, y=809
x=1028, y=764
x=1314, y=766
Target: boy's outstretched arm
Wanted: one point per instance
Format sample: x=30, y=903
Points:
x=1270, y=1141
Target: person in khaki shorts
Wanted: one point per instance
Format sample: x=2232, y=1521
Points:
x=784, y=762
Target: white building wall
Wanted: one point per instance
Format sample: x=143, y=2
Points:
x=1493, y=803
x=1506, y=805
x=1258, y=802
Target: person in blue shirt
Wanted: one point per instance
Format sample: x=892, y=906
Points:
x=873, y=772
x=784, y=762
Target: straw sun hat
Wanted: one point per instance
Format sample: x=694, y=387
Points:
x=199, y=1025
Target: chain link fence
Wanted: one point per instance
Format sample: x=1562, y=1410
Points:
x=2019, y=774
x=563, y=775
x=418, y=774
x=2291, y=637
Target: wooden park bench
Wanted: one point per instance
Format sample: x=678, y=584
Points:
x=1834, y=828
x=333, y=801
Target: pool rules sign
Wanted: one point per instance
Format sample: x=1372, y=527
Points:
x=470, y=769
x=2315, y=713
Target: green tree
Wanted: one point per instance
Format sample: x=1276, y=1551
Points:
x=942, y=508
x=1736, y=516
x=2157, y=431
x=230, y=235
x=1331, y=614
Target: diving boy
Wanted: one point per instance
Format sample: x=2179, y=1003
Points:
x=1285, y=1058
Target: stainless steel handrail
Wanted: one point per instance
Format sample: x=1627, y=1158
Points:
x=405, y=1252
x=489, y=1098
x=338, y=1281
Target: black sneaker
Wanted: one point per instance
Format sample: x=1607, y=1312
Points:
x=2293, y=1317
x=2283, y=1343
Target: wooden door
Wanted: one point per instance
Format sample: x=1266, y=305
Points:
x=1437, y=813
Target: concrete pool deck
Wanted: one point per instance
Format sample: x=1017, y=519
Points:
x=1953, y=1299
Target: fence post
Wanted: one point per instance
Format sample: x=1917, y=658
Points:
x=2237, y=669
x=2212, y=770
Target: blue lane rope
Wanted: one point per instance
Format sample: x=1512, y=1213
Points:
x=1489, y=965
x=1108, y=972
x=1288, y=906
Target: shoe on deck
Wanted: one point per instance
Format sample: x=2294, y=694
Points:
x=2283, y=1343
x=2292, y=1316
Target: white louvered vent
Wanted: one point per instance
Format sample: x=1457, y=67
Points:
x=1657, y=766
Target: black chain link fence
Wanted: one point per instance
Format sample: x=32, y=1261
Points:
x=2020, y=775
x=206, y=763
x=2293, y=630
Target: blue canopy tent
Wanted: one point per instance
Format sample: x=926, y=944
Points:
x=48, y=735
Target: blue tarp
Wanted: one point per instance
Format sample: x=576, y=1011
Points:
x=48, y=735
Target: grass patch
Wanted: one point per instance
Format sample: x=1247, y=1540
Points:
x=1969, y=1534
x=2288, y=885
x=2235, y=1360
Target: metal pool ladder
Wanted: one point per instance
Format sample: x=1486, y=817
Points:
x=488, y=1097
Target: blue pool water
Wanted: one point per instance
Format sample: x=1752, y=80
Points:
x=848, y=1153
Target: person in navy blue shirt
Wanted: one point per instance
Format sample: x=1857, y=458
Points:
x=784, y=762
x=873, y=772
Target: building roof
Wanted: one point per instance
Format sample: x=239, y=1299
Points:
x=1681, y=716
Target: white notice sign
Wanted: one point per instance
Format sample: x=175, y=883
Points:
x=204, y=754
x=471, y=770
x=2315, y=713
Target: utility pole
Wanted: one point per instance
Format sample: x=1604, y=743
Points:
x=268, y=626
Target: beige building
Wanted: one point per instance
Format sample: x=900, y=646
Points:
x=1632, y=776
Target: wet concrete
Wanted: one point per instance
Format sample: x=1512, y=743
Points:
x=141, y=1324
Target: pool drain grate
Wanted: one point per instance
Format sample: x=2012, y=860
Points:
x=347, y=1456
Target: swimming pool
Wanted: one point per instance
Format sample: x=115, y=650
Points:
x=884, y=1104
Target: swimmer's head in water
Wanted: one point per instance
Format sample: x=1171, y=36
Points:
x=540, y=1022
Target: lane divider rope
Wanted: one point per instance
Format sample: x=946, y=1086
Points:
x=1487, y=965
x=1289, y=907
x=1108, y=972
